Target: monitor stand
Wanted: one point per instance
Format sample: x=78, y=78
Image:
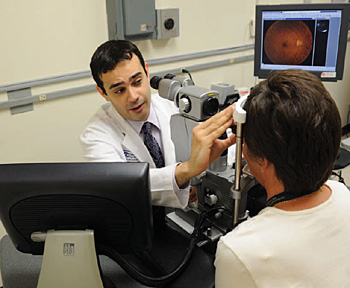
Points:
x=69, y=259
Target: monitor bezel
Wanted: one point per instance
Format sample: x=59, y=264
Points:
x=264, y=73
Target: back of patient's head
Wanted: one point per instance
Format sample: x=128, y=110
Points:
x=293, y=122
x=109, y=54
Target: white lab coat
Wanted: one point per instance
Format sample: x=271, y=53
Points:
x=108, y=137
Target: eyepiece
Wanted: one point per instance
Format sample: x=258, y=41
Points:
x=211, y=106
x=155, y=82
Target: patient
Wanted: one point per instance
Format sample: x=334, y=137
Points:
x=302, y=239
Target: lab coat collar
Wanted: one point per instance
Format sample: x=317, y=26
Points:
x=133, y=141
x=164, y=126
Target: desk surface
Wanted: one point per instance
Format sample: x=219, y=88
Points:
x=22, y=270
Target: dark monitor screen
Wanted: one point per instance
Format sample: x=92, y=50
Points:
x=311, y=37
x=113, y=199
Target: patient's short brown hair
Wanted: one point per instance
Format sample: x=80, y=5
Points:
x=293, y=122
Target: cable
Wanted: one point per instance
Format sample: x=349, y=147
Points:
x=138, y=276
x=189, y=74
x=162, y=280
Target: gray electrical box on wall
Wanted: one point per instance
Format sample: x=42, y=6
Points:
x=137, y=20
x=131, y=19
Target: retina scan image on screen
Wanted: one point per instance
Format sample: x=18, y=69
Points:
x=310, y=37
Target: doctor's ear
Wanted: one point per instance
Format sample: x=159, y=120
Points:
x=102, y=93
x=147, y=70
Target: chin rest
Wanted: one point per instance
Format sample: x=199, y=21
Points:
x=169, y=248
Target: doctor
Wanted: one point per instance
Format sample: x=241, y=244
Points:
x=117, y=133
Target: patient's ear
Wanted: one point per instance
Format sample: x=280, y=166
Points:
x=266, y=164
x=102, y=93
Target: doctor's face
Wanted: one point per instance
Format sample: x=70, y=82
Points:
x=127, y=87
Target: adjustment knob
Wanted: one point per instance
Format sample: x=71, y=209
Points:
x=211, y=199
x=185, y=104
x=209, y=232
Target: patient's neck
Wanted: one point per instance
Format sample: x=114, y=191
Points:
x=308, y=201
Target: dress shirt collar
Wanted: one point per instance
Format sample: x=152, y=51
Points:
x=152, y=118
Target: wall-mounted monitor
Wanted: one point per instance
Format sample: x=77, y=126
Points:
x=311, y=37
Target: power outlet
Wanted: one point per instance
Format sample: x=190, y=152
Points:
x=167, y=23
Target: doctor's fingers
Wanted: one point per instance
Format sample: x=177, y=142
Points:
x=212, y=132
x=217, y=121
x=230, y=140
x=205, y=139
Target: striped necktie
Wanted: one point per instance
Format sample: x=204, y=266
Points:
x=152, y=145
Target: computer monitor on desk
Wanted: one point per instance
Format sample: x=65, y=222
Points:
x=311, y=37
x=104, y=204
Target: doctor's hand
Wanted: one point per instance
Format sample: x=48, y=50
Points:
x=206, y=147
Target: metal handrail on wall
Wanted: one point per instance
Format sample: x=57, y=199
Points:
x=12, y=88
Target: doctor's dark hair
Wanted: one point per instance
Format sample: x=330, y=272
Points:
x=293, y=122
x=109, y=54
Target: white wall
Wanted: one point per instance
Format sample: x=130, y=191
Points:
x=50, y=38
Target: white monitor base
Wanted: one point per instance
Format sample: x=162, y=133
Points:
x=69, y=260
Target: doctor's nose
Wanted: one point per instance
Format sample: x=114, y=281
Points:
x=133, y=96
